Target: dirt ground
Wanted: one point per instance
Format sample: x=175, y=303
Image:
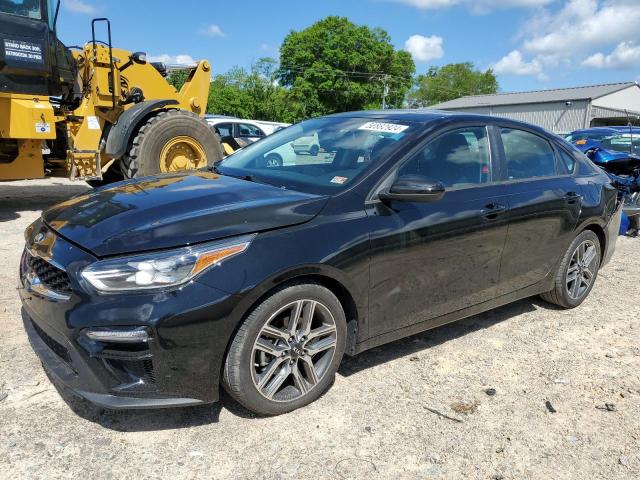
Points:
x=565, y=404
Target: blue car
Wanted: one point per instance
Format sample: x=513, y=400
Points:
x=617, y=151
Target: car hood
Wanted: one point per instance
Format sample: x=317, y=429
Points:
x=175, y=210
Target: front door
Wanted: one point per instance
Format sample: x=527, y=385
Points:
x=429, y=259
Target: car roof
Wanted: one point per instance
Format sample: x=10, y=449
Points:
x=218, y=120
x=428, y=115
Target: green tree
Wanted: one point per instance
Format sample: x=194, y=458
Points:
x=335, y=65
x=455, y=80
x=253, y=94
x=178, y=78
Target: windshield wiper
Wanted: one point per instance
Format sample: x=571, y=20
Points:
x=214, y=169
x=248, y=178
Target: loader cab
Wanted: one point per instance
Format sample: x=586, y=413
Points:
x=32, y=59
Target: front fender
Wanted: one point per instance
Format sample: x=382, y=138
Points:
x=324, y=274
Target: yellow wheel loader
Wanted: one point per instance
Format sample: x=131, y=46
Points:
x=94, y=113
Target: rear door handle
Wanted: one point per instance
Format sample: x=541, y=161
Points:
x=493, y=210
x=572, y=197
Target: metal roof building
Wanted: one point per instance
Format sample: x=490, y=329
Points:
x=560, y=110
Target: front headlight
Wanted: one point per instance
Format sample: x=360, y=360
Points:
x=161, y=269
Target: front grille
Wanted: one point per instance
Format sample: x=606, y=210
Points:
x=56, y=347
x=50, y=276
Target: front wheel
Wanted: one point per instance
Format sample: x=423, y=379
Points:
x=287, y=351
x=577, y=271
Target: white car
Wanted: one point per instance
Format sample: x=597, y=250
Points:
x=292, y=154
x=309, y=144
x=235, y=127
x=280, y=156
x=248, y=130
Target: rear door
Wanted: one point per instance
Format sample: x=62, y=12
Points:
x=544, y=207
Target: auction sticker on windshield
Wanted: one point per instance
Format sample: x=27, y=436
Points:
x=383, y=127
x=339, y=180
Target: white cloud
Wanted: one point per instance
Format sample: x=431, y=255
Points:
x=78, y=6
x=582, y=25
x=181, y=59
x=514, y=64
x=213, y=31
x=423, y=48
x=476, y=6
x=625, y=55
x=562, y=35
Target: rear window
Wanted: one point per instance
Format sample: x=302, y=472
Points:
x=567, y=162
x=527, y=155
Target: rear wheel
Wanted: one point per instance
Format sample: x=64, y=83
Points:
x=287, y=351
x=171, y=141
x=315, y=149
x=577, y=271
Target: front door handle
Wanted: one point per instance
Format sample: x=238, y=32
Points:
x=493, y=210
x=572, y=198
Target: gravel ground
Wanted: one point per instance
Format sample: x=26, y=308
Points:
x=565, y=401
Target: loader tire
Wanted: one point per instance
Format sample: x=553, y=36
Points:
x=171, y=141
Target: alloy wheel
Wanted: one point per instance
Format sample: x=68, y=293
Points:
x=581, y=271
x=294, y=350
x=272, y=161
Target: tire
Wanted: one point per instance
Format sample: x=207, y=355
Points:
x=267, y=383
x=143, y=155
x=273, y=160
x=314, y=150
x=112, y=175
x=565, y=293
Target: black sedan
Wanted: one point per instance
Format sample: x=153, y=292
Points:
x=259, y=278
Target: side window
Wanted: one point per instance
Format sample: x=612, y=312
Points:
x=528, y=155
x=567, y=162
x=459, y=158
x=224, y=129
x=247, y=130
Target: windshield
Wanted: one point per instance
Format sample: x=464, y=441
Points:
x=323, y=155
x=624, y=142
x=24, y=8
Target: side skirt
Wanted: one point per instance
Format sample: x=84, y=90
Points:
x=536, y=289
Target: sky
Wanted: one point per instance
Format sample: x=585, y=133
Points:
x=530, y=44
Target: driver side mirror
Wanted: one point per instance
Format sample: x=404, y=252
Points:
x=414, y=188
